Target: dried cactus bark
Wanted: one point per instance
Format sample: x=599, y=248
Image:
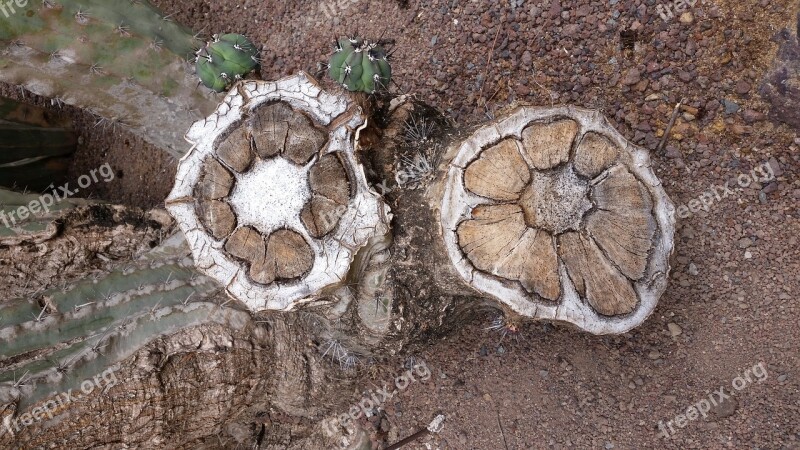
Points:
x=271, y=197
x=402, y=289
x=554, y=214
x=54, y=338
x=124, y=61
x=150, y=322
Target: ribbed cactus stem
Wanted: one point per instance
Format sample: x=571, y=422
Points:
x=108, y=349
x=225, y=60
x=124, y=61
x=360, y=65
x=93, y=318
x=52, y=342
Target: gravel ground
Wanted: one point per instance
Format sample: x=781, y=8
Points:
x=732, y=303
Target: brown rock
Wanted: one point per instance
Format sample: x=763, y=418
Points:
x=742, y=87
x=631, y=77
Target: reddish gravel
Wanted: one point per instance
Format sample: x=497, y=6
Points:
x=736, y=270
x=733, y=295
x=732, y=303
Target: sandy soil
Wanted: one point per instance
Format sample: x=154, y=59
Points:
x=732, y=304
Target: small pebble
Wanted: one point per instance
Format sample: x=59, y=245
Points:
x=730, y=107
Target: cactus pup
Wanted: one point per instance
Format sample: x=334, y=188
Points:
x=360, y=65
x=225, y=60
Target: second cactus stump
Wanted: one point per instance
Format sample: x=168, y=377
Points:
x=554, y=214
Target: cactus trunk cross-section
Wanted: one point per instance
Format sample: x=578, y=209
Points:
x=549, y=212
x=554, y=214
x=544, y=213
x=274, y=188
x=272, y=198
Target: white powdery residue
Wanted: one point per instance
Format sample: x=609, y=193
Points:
x=271, y=195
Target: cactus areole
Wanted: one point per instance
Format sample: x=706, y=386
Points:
x=360, y=65
x=225, y=60
x=271, y=197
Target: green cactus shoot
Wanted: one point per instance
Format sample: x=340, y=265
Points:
x=360, y=65
x=225, y=60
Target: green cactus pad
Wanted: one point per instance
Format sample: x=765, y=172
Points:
x=227, y=59
x=360, y=65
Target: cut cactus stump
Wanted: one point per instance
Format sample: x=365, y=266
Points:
x=553, y=213
x=271, y=198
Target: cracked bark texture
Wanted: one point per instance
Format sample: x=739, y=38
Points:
x=271, y=197
x=268, y=381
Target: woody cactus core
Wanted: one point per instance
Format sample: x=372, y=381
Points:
x=554, y=214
